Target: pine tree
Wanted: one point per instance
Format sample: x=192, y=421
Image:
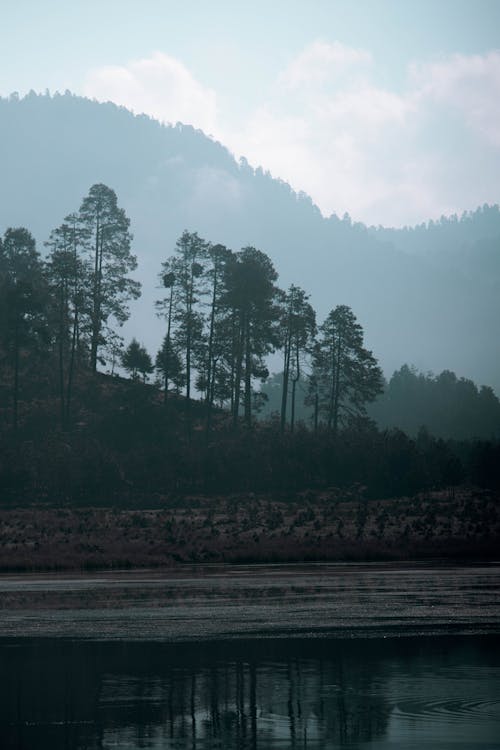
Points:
x=169, y=365
x=109, y=241
x=298, y=328
x=345, y=375
x=136, y=360
x=252, y=298
x=185, y=274
x=68, y=274
x=23, y=295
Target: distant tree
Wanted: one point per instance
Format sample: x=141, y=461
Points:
x=345, y=375
x=114, y=350
x=136, y=360
x=169, y=365
x=109, y=241
x=446, y=405
x=23, y=295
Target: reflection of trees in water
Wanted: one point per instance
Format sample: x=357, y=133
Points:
x=145, y=695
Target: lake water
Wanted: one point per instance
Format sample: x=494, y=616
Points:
x=324, y=656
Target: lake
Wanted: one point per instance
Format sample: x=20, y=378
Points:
x=316, y=656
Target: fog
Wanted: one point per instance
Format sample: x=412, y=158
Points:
x=427, y=296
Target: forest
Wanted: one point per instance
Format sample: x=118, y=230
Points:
x=191, y=418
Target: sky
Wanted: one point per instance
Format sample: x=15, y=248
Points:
x=386, y=109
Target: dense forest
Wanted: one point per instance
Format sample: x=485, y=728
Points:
x=427, y=295
x=74, y=429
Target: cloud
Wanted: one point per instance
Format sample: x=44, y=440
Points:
x=330, y=129
x=160, y=86
x=320, y=62
x=468, y=84
x=385, y=156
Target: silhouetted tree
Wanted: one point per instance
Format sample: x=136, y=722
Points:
x=298, y=327
x=345, y=375
x=23, y=322
x=136, y=360
x=169, y=365
x=165, y=308
x=187, y=269
x=217, y=344
x=252, y=297
x=68, y=278
x=109, y=240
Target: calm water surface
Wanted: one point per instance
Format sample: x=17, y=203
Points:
x=276, y=657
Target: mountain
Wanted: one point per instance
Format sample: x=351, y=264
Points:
x=427, y=295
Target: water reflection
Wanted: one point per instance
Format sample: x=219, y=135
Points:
x=402, y=693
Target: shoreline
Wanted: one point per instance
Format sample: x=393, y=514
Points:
x=329, y=526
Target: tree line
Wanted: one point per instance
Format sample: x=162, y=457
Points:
x=223, y=312
x=59, y=310
x=70, y=433
x=445, y=405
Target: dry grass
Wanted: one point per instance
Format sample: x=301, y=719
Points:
x=245, y=528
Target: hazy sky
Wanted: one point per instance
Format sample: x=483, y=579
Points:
x=389, y=110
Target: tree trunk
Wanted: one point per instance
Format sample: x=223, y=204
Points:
x=292, y=415
x=248, y=376
x=209, y=395
x=16, y=372
x=96, y=294
x=336, y=405
x=286, y=374
x=69, y=387
x=238, y=370
x=61, y=357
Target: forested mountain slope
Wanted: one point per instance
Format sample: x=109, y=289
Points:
x=429, y=295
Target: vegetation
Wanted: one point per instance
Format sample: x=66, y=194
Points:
x=425, y=294
x=289, y=527
x=71, y=434
x=445, y=405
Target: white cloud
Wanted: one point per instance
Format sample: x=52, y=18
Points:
x=384, y=156
x=468, y=84
x=321, y=62
x=160, y=86
x=331, y=130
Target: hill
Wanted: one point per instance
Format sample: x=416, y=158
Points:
x=427, y=295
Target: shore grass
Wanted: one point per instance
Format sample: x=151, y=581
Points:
x=325, y=526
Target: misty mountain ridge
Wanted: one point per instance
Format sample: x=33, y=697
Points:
x=427, y=295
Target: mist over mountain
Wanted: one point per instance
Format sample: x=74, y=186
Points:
x=428, y=295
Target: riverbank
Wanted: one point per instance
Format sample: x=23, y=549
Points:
x=329, y=526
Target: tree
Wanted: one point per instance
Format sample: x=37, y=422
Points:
x=298, y=328
x=345, y=375
x=212, y=369
x=252, y=297
x=184, y=274
x=165, y=308
x=23, y=295
x=68, y=274
x=136, y=360
x=448, y=406
x=169, y=365
x=109, y=241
